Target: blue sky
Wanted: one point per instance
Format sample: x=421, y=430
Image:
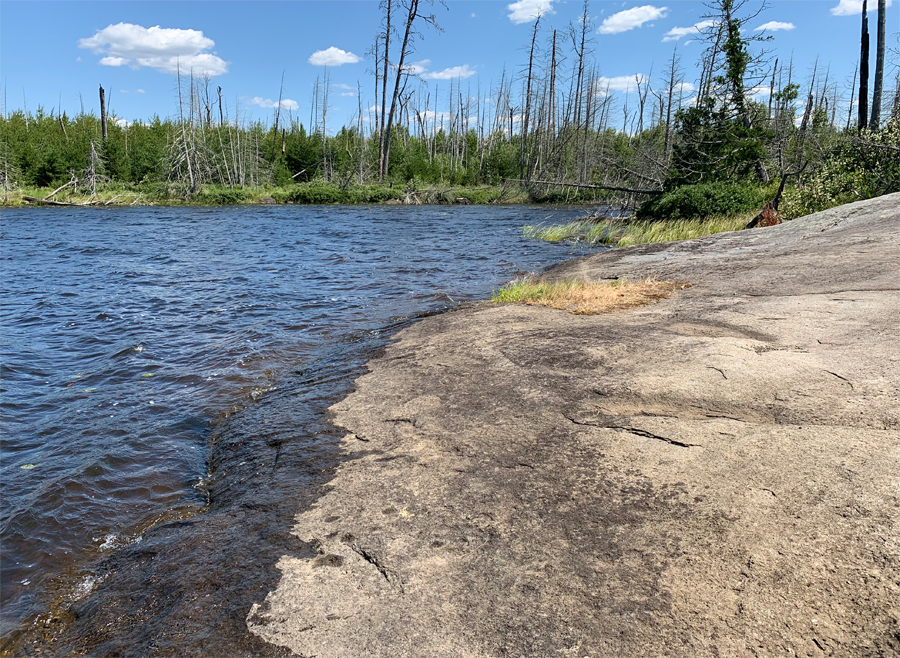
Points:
x=52, y=52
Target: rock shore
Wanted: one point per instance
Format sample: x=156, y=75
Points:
x=715, y=474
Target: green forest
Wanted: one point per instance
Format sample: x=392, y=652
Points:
x=705, y=148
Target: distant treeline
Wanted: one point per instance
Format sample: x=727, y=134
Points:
x=557, y=123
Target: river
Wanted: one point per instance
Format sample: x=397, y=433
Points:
x=135, y=339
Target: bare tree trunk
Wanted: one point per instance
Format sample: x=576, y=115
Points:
x=413, y=13
x=527, y=100
x=551, y=122
x=384, y=79
x=362, y=135
x=864, y=71
x=772, y=89
x=585, y=26
x=879, y=68
x=103, y=112
x=277, y=115
x=184, y=139
x=667, y=144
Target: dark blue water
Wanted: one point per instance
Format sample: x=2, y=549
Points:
x=128, y=334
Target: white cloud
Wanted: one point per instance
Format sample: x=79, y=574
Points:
x=525, y=11
x=139, y=91
x=682, y=88
x=286, y=103
x=348, y=93
x=677, y=33
x=852, y=7
x=341, y=85
x=452, y=73
x=430, y=116
x=417, y=68
x=774, y=26
x=333, y=57
x=122, y=123
x=631, y=18
x=623, y=83
x=164, y=49
x=761, y=91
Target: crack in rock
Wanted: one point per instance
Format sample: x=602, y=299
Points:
x=606, y=423
x=842, y=378
x=389, y=574
x=651, y=435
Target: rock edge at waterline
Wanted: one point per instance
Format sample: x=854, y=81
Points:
x=712, y=475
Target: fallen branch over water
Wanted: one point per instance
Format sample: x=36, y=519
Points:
x=46, y=201
x=93, y=202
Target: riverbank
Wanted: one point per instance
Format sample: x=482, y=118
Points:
x=316, y=192
x=712, y=474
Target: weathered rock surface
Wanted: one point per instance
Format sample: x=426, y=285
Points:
x=712, y=475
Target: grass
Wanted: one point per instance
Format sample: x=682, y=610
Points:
x=314, y=192
x=586, y=298
x=622, y=233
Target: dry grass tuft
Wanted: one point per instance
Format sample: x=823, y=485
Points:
x=587, y=298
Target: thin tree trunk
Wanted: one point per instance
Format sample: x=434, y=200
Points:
x=103, y=112
x=277, y=116
x=527, y=100
x=413, y=12
x=772, y=89
x=864, y=71
x=184, y=139
x=384, y=79
x=879, y=67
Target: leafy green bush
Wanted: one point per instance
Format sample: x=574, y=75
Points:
x=859, y=169
x=705, y=200
x=220, y=196
x=375, y=193
x=314, y=192
x=479, y=195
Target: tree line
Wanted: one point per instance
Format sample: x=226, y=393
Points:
x=552, y=122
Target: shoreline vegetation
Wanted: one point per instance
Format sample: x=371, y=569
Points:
x=580, y=298
x=718, y=159
x=316, y=192
x=690, y=149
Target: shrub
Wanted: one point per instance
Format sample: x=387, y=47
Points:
x=856, y=169
x=220, y=196
x=705, y=200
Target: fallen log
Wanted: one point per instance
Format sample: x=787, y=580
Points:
x=34, y=199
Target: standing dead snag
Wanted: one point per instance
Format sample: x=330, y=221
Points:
x=402, y=76
x=879, y=68
x=103, y=112
x=864, y=71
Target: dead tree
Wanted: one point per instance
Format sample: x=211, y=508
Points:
x=103, y=112
x=384, y=81
x=402, y=75
x=879, y=68
x=864, y=71
x=527, y=116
